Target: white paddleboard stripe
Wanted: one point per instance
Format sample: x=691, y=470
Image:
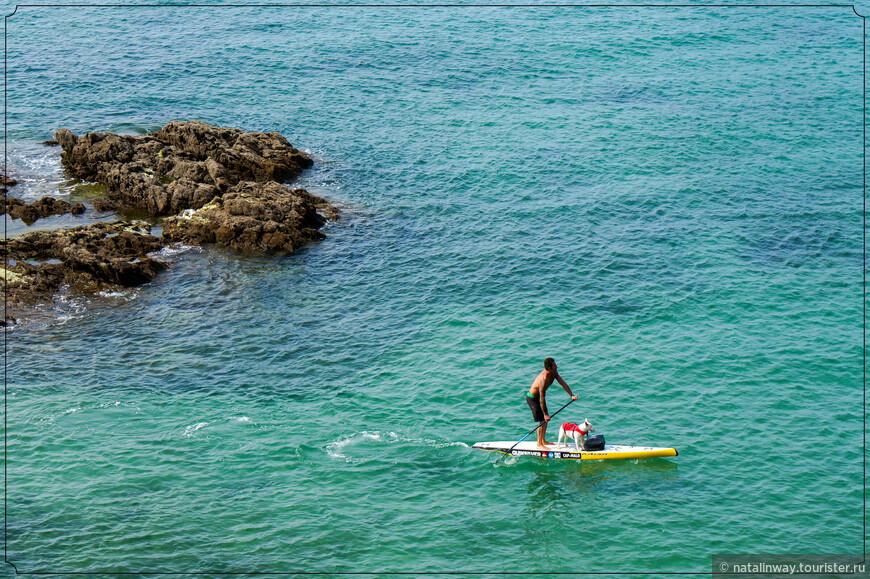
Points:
x=569, y=452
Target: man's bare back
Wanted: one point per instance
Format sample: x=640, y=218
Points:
x=542, y=382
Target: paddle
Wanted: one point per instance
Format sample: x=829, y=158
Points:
x=532, y=430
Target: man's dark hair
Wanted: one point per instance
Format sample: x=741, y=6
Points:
x=548, y=363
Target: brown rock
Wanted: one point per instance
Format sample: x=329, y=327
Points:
x=251, y=217
x=90, y=258
x=182, y=166
x=30, y=212
x=246, y=156
x=6, y=181
x=220, y=184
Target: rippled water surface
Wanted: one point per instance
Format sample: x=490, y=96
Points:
x=667, y=201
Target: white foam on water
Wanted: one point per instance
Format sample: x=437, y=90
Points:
x=428, y=442
x=176, y=249
x=509, y=460
x=125, y=294
x=70, y=410
x=240, y=419
x=37, y=169
x=67, y=307
x=194, y=427
x=117, y=404
x=336, y=448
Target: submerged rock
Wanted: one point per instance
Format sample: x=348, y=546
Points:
x=88, y=258
x=6, y=182
x=30, y=212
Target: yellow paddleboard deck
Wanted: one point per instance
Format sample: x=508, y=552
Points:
x=563, y=451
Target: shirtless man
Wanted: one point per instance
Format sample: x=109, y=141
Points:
x=536, y=398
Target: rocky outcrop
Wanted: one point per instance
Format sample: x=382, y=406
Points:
x=6, y=182
x=30, y=212
x=210, y=185
x=251, y=217
x=182, y=166
x=89, y=258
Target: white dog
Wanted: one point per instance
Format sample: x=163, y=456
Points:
x=576, y=431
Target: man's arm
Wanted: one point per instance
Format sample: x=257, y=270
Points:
x=565, y=386
x=544, y=406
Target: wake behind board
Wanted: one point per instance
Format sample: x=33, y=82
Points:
x=610, y=452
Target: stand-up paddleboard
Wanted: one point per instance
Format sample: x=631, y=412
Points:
x=610, y=452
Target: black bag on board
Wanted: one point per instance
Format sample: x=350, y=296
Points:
x=594, y=442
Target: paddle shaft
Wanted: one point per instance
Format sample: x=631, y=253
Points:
x=532, y=430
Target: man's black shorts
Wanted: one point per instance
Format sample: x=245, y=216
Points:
x=535, y=405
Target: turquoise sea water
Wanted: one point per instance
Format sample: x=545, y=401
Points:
x=667, y=201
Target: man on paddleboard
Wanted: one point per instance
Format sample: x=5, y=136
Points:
x=535, y=398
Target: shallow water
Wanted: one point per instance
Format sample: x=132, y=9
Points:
x=666, y=201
